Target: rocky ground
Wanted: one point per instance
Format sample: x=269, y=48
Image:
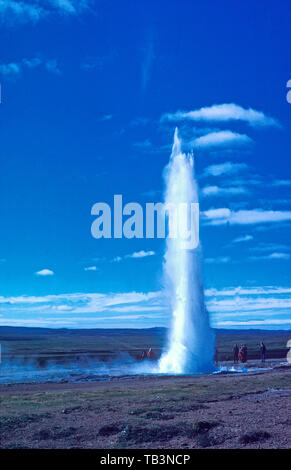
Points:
x=218, y=411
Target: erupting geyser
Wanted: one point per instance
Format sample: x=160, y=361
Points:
x=191, y=341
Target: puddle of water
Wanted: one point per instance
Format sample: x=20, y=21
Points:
x=240, y=370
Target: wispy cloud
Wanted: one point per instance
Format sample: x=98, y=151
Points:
x=141, y=254
x=225, y=138
x=282, y=183
x=261, y=324
x=136, y=254
x=247, y=291
x=21, y=11
x=218, y=260
x=243, y=238
x=223, y=113
x=270, y=246
x=117, y=259
x=226, y=168
x=106, y=117
x=52, y=66
x=254, y=306
x=44, y=272
x=279, y=256
x=208, y=191
x=133, y=309
x=271, y=256
x=14, y=69
x=12, y=11
x=10, y=69
x=245, y=217
x=232, y=307
x=91, y=268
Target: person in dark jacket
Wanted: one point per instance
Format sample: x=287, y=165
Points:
x=263, y=351
x=151, y=354
x=235, y=353
x=243, y=353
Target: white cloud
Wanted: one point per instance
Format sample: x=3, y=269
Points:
x=251, y=323
x=232, y=306
x=21, y=11
x=218, y=260
x=262, y=247
x=282, y=183
x=90, y=268
x=137, y=254
x=52, y=66
x=82, y=309
x=244, y=238
x=31, y=63
x=245, y=217
x=44, y=272
x=141, y=254
x=248, y=304
x=250, y=291
x=67, y=6
x=271, y=256
x=223, y=113
x=106, y=117
x=12, y=11
x=243, y=306
x=221, y=139
x=117, y=259
x=219, y=191
x=13, y=69
x=279, y=256
x=226, y=168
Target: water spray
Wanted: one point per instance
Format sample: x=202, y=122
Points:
x=190, y=345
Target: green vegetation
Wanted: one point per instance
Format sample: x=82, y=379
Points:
x=61, y=345
x=170, y=397
x=141, y=412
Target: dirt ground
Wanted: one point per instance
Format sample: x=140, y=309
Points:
x=218, y=411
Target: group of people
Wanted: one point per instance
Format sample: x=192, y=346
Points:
x=148, y=355
x=241, y=354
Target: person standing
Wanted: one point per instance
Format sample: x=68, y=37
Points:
x=243, y=353
x=263, y=351
x=150, y=354
x=235, y=353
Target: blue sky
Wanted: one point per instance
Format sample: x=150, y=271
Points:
x=91, y=94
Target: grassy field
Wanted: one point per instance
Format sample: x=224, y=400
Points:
x=155, y=412
x=44, y=344
x=217, y=411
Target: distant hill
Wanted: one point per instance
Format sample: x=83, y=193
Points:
x=6, y=331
